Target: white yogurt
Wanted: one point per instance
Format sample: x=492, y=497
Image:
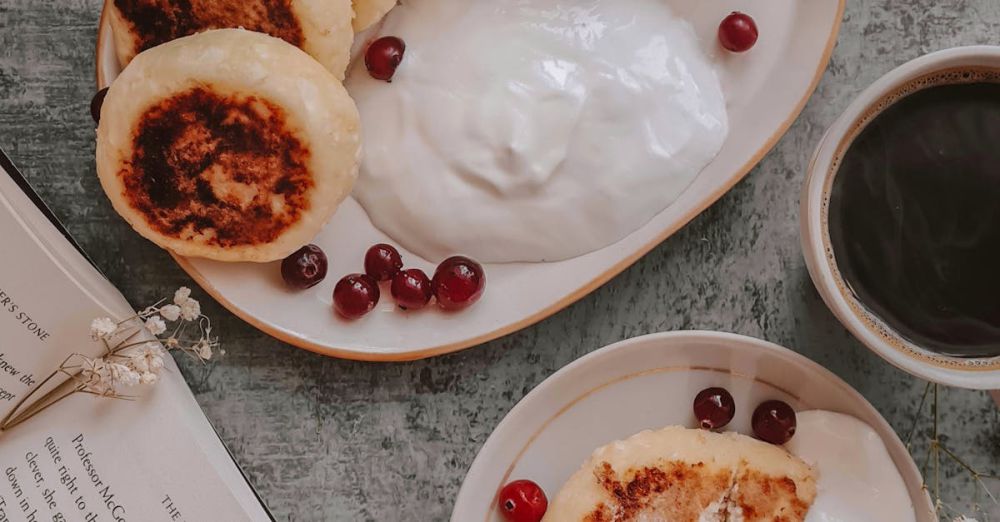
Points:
x=536, y=130
x=858, y=482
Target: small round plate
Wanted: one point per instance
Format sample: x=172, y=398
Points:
x=765, y=90
x=646, y=383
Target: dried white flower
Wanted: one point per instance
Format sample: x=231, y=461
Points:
x=155, y=325
x=148, y=359
x=191, y=310
x=128, y=361
x=96, y=376
x=203, y=350
x=170, y=312
x=122, y=374
x=102, y=328
x=182, y=295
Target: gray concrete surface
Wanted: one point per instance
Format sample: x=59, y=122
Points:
x=325, y=439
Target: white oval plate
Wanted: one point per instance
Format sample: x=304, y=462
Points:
x=765, y=88
x=649, y=382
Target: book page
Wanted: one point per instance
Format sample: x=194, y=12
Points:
x=98, y=459
x=44, y=315
x=87, y=458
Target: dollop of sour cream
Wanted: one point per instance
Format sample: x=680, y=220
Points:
x=858, y=481
x=533, y=130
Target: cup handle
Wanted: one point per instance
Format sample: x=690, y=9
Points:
x=996, y=397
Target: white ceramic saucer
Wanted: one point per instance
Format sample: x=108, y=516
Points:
x=649, y=382
x=765, y=89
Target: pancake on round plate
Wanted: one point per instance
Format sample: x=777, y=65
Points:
x=230, y=145
x=367, y=12
x=683, y=475
x=322, y=28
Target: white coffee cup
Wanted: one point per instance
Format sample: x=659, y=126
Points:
x=978, y=373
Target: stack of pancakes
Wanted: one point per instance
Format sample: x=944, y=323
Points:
x=228, y=134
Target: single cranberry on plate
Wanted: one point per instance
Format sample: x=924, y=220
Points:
x=96, y=103
x=714, y=408
x=383, y=261
x=355, y=295
x=383, y=56
x=304, y=268
x=738, y=32
x=458, y=282
x=774, y=422
x=522, y=501
x=411, y=288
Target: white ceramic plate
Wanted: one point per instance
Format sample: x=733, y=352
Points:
x=649, y=382
x=765, y=89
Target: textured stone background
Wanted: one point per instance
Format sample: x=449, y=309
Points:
x=325, y=439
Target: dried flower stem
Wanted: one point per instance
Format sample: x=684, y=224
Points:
x=134, y=349
x=41, y=405
x=935, y=449
x=4, y=424
x=916, y=415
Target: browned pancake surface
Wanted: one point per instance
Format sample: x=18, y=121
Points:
x=768, y=499
x=225, y=168
x=678, y=488
x=157, y=21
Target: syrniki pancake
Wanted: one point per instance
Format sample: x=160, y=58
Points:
x=322, y=28
x=367, y=12
x=683, y=475
x=230, y=145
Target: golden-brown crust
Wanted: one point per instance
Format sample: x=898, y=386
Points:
x=683, y=490
x=226, y=169
x=765, y=498
x=687, y=475
x=154, y=22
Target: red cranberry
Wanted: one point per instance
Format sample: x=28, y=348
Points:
x=382, y=261
x=458, y=282
x=355, y=295
x=304, y=268
x=411, y=288
x=383, y=56
x=774, y=422
x=522, y=501
x=96, y=103
x=714, y=408
x=738, y=32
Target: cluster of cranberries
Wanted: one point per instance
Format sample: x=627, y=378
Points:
x=458, y=281
x=772, y=421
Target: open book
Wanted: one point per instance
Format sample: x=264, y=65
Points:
x=90, y=458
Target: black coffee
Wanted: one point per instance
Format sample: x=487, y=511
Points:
x=915, y=218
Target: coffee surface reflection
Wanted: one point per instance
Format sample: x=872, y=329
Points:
x=914, y=218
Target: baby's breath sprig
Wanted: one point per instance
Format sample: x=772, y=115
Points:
x=932, y=464
x=134, y=351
